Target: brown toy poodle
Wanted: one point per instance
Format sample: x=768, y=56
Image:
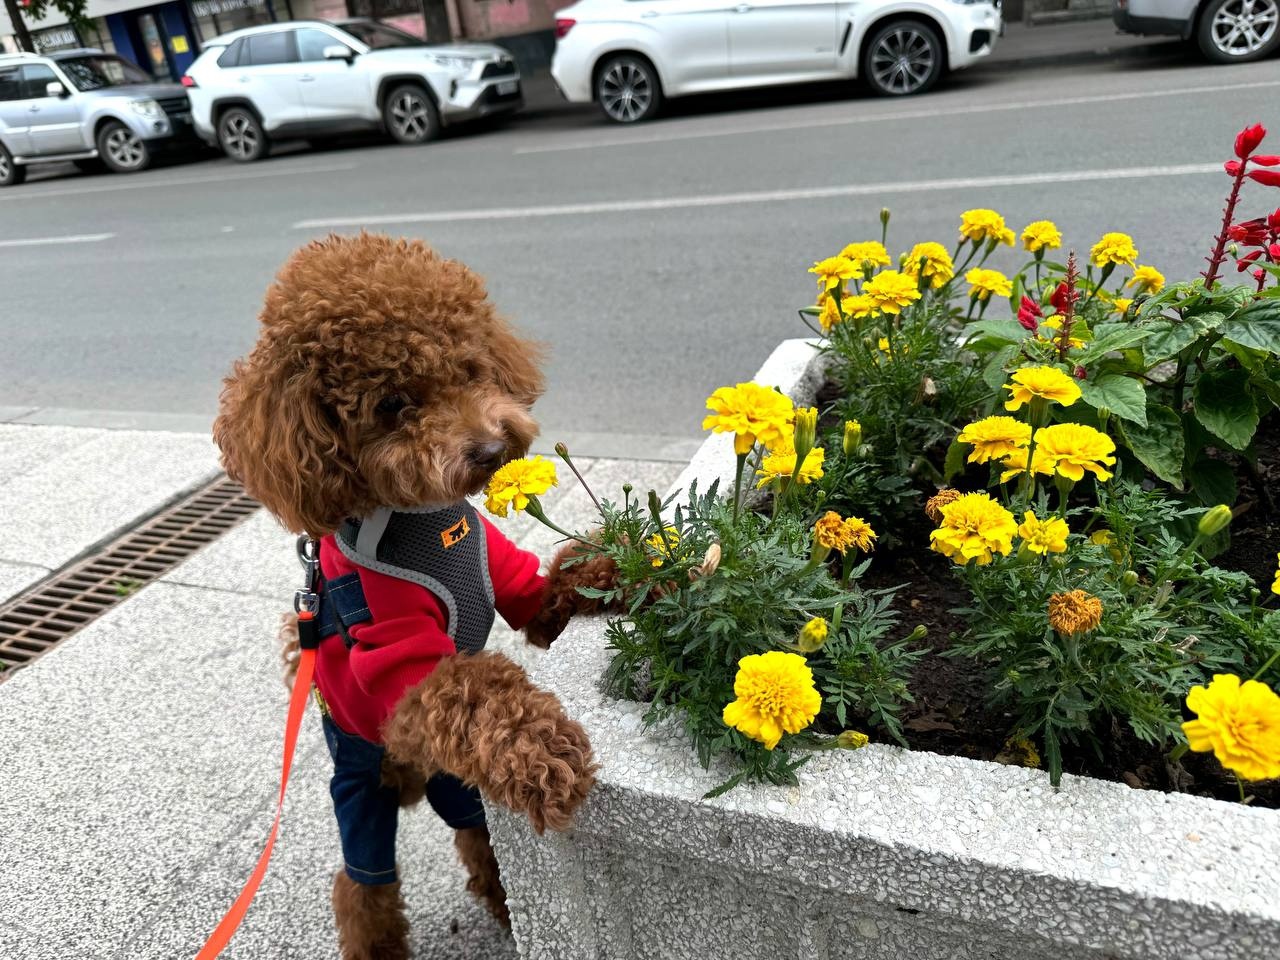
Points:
x=384, y=390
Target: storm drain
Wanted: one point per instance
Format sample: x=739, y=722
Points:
x=33, y=623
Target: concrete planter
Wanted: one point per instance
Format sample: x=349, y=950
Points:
x=880, y=854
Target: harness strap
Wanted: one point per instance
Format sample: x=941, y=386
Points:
x=227, y=927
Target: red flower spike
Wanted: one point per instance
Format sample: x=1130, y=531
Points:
x=1232, y=167
x=1251, y=233
x=1246, y=261
x=1266, y=160
x=1273, y=221
x=1247, y=140
x=1273, y=252
x=1059, y=298
x=1269, y=178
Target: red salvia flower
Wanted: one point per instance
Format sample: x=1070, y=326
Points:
x=1273, y=221
x=1029, y=314
x=1265, y=160
x=1247, y=140
x=1246, y=261
x=1233, y=167
x=1269, y=178
x=1250, y=233
x=1061, y=298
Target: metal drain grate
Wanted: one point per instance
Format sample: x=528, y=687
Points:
x=32, y=623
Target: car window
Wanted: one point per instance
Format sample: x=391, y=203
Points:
x=94, y=73
x=378, y=36
x=37, y=76
x=10, y=84
x=266, y=48
x=311, y=44
x=231, y=56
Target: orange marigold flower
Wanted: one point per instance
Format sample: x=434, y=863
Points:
x=1074, y=612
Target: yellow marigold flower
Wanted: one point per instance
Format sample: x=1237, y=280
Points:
x=1146, y=280
x=995, y=438
x=1239, y=722
x=1074, y=612
x=868, y=252
x=1121, y=305
x=933, y=508
x=1041, y=235
x=974, y=527
x=982, y=225
x=1073, y=448
x=853, y=739
x=516, y=481
x=751, y=412
x=1048, y=382
x=1116, y=249
x=833, y=271
x=663, y=545
x=775, y=695
x=1102, y=538
x=781, y=463
x=1055, y=324
x=812, y=635
x=1043, y=536
x=830, y=533
x=931, y=261
x=860, y=534
x=984, y=283
x=1015, y=465
x=884, y=347
x=1275, y=587
x=890, y=291
x=829, y=315
x=859, y=306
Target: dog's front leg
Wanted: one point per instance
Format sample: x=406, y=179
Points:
x=562, y=601
x=481, y=719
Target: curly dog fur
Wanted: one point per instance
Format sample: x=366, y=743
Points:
x=383, y=376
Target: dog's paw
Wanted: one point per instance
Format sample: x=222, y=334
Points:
x=549, y=771
x=562, y=600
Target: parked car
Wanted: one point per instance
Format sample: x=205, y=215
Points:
x=1226, y=31
x=86, y=106
x=313, y=78
x=631, y=55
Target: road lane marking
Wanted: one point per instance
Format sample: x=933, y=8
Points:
x=765, y=196
x=49, y=241
x=658, y=137
x=144, y=183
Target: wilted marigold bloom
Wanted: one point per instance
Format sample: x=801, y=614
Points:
x=1074, y=612
x=981, y=225
x=516, y=481
x=891, y=291
x=780, y=463
x=933, y=508
x=1041, y=235
x=752, y=413
x=1073, y=448
x=1047, y=382
x=1116, y=249
x=853, y=739
x=1146, y=280
x=974, y=527
x=868, y=252
x=931, y=261
x=859, y=533
x=994, y=438
x=984, y=283
x=775, y=695
x=833, y=271
x=1239, y=722
x=830, y=534
x=1043, y=536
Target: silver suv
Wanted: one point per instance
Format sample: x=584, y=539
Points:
x=311, y=78
x=86, y=106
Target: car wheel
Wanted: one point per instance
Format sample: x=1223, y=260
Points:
x=1236, y=31
x=628, y=90
x=241, y=135
x=11, y=174
x=122, y=150
x=903, y=57
x=410, y=115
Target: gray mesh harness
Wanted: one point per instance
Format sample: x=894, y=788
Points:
x=442, y=548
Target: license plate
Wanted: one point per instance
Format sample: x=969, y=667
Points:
x=508, y=87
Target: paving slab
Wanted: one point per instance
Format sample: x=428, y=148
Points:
x=16, y=577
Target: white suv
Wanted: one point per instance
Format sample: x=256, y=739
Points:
x=311, y=78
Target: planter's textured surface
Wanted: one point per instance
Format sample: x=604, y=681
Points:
x=878, y=854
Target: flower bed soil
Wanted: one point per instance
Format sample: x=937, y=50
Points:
x=950, y=714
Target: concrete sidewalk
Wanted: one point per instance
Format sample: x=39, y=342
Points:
x=141, y=756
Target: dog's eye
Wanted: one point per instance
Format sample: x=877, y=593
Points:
x=392, y=404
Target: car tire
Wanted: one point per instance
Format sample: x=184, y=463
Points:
x=241, y=136
x=1237, y=31
x=11, y=174
x=122, y=150
x=627, y=89
x=410, y=115
x=902, y=58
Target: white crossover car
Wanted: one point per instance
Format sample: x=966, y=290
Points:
x=630, y=55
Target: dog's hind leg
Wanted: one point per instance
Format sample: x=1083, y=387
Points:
x=483, y=881
x=371, y=920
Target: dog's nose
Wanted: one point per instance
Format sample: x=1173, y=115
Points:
x=489, y=455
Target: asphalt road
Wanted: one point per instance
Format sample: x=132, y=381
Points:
x=658, y=262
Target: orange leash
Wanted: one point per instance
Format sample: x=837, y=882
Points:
x=226, y=929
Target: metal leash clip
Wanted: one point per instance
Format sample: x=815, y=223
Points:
x=306, y=602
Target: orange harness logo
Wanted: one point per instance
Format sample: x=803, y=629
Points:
x=455, y=534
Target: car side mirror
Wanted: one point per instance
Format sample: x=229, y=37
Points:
x=54, y=89
x=338, y=51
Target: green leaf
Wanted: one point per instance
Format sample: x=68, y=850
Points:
x=993, y=374
x=1256, y=326
x=1160, y=444
x=1167, y=338
x=1123, y=395
x=1213, y=481
x=1108, y=337
x=1225, y=406
x=1001, y=331
x=954, y=465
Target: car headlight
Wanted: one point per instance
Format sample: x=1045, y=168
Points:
x=458, y=64
x=147, y=108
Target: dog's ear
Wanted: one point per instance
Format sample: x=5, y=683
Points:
x=277, y=440
x=517, y=364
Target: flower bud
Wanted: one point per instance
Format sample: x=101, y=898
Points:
x=852, y=739
x=884, y=216
x=1248, y=139
x=562, y=450
x=806, y=432
x=852, y=437
x=812, y=635
x=710, y=563
x=1129, y=579
x=1214, y=520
